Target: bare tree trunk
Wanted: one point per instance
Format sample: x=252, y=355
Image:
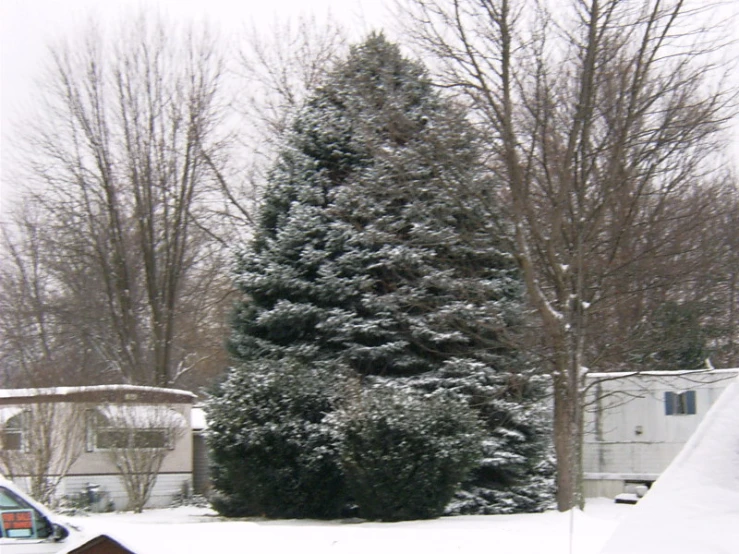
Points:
x=567, y=447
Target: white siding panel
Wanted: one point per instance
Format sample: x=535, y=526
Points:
x=166, y=489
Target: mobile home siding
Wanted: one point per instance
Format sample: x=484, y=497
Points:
x=632, y=429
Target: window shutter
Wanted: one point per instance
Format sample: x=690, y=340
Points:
x=690, y=396
x=669, y=403
x=90, y=430
x=26, y=426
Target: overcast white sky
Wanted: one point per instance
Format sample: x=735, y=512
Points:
x=27, y=27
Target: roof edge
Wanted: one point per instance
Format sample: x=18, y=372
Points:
x=72, y=391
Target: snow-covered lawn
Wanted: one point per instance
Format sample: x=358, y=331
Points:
x=693, y=509
x=186, y=530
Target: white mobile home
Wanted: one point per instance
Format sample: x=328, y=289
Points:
x=636, y=423
x=78, y=439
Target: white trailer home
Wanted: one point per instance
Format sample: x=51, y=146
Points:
x=83, y=441
x=636, y=423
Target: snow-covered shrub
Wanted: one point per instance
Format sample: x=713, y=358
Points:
x=516, y=470
x=273, y=452
x=405, y=454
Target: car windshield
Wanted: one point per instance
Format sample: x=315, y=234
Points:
x=18, y=519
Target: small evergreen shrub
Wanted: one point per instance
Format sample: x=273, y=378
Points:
x=405, y=454
x=274, y=454
x=515, y=473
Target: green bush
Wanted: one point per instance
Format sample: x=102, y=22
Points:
x=273, y=452
x=405, y=454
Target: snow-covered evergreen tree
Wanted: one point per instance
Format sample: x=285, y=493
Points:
x=372, y=250
x=370, y=246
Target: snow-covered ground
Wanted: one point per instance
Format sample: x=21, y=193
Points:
x=692, y=509
x=190, y=530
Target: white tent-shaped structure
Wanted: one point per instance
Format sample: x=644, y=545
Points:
x=694, y=506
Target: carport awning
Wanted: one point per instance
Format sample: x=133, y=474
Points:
x=142, y=416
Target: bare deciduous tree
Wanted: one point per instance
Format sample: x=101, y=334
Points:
x=40, y=444
x=598, y=119
x=275, y=70
x=680, y=313
x=40, y=345
x=136, y=199
x=137, y=439
x=116, y=162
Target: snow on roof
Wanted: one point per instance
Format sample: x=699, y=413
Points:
x=692, y=507
x=674, y=373
x=65, y=391
x=6, y=412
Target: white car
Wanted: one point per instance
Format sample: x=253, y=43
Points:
x=27, y=527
